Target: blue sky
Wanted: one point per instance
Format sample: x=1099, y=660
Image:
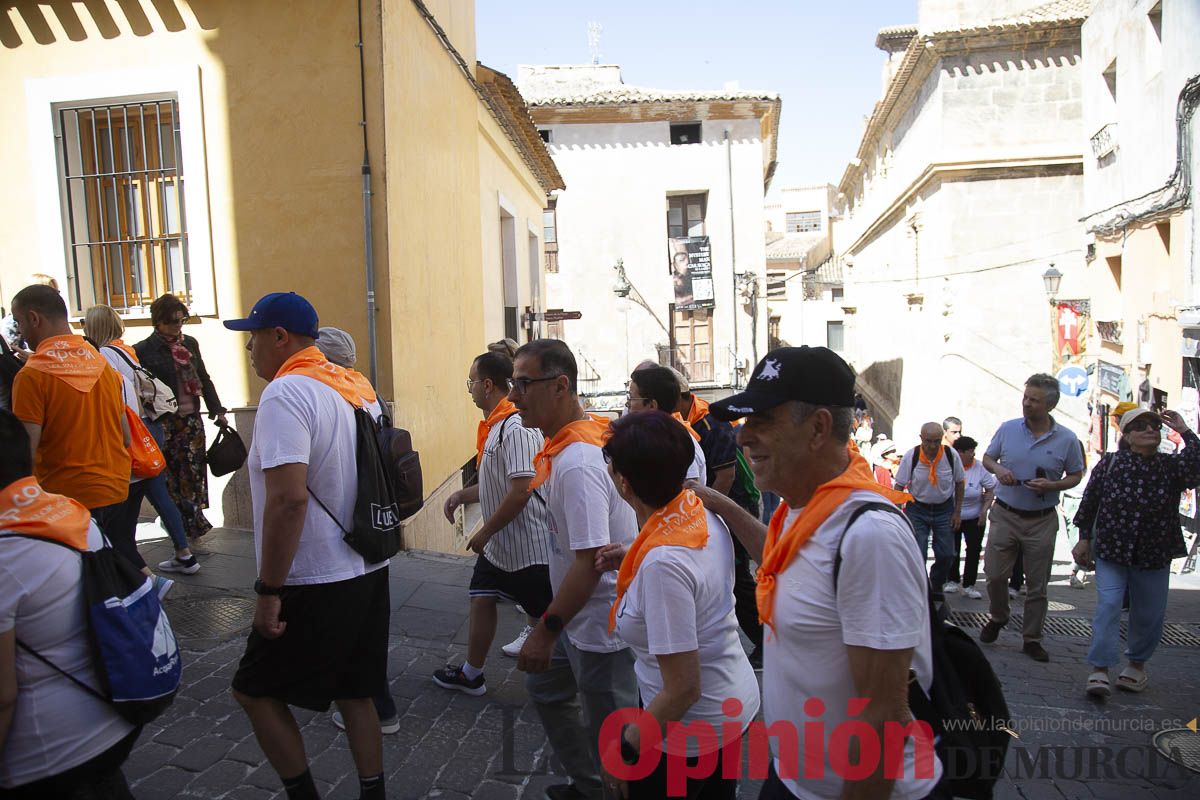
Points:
x=819, y=56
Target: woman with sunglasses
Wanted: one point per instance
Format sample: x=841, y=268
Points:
x=675, y=609
x=174, y=358
x=1128, y=523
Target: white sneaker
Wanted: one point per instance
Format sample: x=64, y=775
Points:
x=972, y=593
x=513, y=648
x=950, y=587
x=1078, y=580
x=386, y=726
x=189, y=567
x=1012, y=593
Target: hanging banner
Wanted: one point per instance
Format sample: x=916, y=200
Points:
x=1071, y=320
x=691, y=272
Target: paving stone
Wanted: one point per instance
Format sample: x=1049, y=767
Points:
x=202, y=753
x=220, y=778
x=185, y=731
x=247, y=751
x=494, y=790
x=146, y=759
x=165, y=782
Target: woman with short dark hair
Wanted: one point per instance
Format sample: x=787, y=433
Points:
x=174, y=358
x=675, y=607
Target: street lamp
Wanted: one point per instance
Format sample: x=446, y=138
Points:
x=1052, y=279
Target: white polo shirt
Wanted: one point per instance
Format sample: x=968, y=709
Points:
x=881, y=603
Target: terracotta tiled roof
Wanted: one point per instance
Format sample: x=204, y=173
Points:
x=793, y=248
x=597, y=94
x=1053, y=11
x=512, y=113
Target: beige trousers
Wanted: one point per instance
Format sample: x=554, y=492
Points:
x=1008, y=535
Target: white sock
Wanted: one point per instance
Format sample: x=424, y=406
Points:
x=470, y=672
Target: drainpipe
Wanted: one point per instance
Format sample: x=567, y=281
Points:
x=732, y=257
x=368, y=237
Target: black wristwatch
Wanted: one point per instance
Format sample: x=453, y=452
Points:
x=553, y=623
x=261, y=588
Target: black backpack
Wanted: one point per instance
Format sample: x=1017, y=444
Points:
x=965, y=706
x=407, y=483
x=375, y=528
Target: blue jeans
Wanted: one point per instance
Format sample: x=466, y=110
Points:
x=934, y=519
x=1148, y=590
x=160, y=498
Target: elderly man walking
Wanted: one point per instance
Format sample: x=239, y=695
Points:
x=1033, y=458
x=933, y=474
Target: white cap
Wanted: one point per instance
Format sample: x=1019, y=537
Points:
x=338, y=346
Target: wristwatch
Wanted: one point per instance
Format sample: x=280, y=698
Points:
x=553, y=622
x=261, y=588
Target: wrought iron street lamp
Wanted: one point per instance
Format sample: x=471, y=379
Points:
x=1052, y=279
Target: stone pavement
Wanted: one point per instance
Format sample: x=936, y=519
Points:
x=454, y=746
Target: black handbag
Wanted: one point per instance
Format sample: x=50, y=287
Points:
x=227, y=452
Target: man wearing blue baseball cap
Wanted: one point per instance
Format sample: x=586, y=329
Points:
x=321, y=622
x=831, y=642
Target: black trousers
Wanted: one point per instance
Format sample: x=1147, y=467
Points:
x=654, y=785
x=972, y=531
x=99, y=778
x=745, y=594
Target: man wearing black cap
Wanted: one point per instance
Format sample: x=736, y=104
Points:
x=830, y=643
x=321, y=623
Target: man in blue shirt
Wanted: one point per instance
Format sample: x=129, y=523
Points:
x=1033, y=458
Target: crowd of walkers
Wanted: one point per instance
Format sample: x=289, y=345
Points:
x=628, y=545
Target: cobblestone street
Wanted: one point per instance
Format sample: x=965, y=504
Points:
x=451, y=745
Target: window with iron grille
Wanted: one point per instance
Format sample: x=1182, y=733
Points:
x=122, y=191
x=550, y=236
x=803, y=222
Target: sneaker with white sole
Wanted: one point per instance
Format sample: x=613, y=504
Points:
x=972, y=592
x=386, y=726
x=451, y=677
x=950, y=587
x=188, y=566
x=513, y=648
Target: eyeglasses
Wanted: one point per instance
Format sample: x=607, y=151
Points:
x=471, y=383
x=178, y=320
x=522, y=384
x=642, y=400
x=1146, y=425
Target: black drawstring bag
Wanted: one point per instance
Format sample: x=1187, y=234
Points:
x=227, y=453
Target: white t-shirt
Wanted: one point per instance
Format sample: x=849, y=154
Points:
x=507, y=454
x=680, y=601
x=915, y=475
x=302, y=421
x=977, y=480
x=56, y=725
x=128, y=392
x=881, y=603
x=586, y=512
x=698, y=471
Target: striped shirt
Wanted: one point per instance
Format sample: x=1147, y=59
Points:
x=508, y=453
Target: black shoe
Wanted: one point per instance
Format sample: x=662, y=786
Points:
x=990, y=631
x=756, y=659
x=564, y=791
x=451, y=677
x=1035, y=651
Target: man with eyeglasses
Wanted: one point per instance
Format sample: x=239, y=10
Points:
x=1033, y=458
x=513, y=544
x=572, y=659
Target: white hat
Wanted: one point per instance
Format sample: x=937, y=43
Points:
x=881, y=449
x=338, y=346
x=1134, y=413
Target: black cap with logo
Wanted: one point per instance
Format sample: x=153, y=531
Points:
x=815, y=375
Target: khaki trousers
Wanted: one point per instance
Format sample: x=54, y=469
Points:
x=1008, y=535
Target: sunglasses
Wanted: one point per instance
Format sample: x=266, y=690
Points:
x=522, y=384
x=1144, y=425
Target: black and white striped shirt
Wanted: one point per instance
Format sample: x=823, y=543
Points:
x=508, y=453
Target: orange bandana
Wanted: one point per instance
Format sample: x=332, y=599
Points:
x=779, y=550
x=933, y=479
x=699, y=410
x=71, y=359
x=26, y=508
x=126, y=349
x=310, y=362
x=503, y=410
x=681, y=523
x=592, y=430
x=679, y=418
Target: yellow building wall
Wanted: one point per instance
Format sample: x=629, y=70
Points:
x=1153, y=265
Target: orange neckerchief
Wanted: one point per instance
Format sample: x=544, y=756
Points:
x=699, y=410
x=71, y=359
x=310, y=362
x=933, y=479
x=126, y=349
x=503, y=410
x=26, y=508
x=681, y=523
x=679, y=418
x=780, y=548
x=591, y=430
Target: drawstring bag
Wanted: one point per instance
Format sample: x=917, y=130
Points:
x=228, y=451
x=147, y=459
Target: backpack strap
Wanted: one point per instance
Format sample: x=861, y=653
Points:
x=858, y=512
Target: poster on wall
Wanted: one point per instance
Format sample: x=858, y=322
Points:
x=1071, y=321
x=691, y=272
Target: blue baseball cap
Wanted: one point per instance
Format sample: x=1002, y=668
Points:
x=286, y=310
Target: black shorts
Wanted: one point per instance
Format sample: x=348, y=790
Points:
x=334, y=647
x=530, y=586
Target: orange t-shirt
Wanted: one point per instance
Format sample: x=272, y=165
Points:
x=82, y=452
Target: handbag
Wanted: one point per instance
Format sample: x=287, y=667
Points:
x=156, y=397
x=227, y=452
x=147, y=459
